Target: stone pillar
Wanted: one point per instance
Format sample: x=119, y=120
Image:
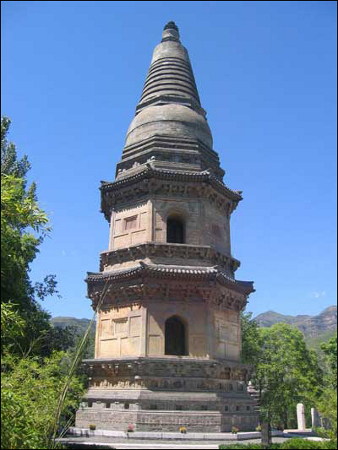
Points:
x=301, y=417
x=315, y=418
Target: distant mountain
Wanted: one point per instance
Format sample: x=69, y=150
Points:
x=81, y=324
x=313, y=327
x=270, y=318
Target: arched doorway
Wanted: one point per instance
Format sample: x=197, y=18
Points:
x=175, y=337
x=175, y=230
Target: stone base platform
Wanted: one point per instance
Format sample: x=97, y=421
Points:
x=169, y=421
x=163, y=395
x=149, y=435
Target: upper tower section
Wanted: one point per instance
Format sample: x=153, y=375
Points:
x=170, y=130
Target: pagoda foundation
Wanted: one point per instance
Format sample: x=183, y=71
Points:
x=165, y=394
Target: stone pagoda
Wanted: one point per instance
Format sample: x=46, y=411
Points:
x=168, y=334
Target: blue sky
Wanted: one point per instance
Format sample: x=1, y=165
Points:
x=72, y=73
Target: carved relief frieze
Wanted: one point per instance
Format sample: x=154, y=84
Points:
x=162, y=374
x=150, y=289
x=165, y=383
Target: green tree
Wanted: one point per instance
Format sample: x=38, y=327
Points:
x=39, y=393
x=10, y=165
x=12, y=325
x=30, y=392
x=285, y=373
x=330, y=351
x=250, y=339
x=327, y=402
x=23, y=227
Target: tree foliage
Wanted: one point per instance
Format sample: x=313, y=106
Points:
x=23, y=227
x=30, y=389
x=285, y=371
x=12, y=324
x=295, y=443
x=327, y=401
x=39, y=393
x=10, y=165
x=330, y=351
x=250, y=339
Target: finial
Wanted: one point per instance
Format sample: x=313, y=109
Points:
x=170, y=32
x=171, y=25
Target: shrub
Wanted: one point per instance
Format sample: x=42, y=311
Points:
x=332, y=444
x=79, y=446
x=30, y=391
x=290, y=444
x=302, y=443
x=244, y=446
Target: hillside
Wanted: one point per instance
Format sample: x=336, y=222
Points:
x=80, y=326
x=322, y=323
x=311, y=326
x=270, y=318
x=315, y=342
x=63, y=322
x=316, y=329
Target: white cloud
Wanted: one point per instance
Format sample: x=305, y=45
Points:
x=317, y=294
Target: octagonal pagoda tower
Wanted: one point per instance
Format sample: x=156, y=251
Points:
x=168, y=337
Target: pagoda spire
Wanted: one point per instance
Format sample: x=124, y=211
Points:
x=170, y=77
x=170, y=126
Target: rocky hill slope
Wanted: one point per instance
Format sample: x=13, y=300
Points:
x=311, y=326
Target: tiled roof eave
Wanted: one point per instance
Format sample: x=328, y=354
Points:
x=172, y=272
x=170, y=175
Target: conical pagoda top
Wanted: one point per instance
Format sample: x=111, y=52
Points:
x=170, y=74
x=170, y=113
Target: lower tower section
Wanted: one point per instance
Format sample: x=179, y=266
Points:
x=168, y=351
